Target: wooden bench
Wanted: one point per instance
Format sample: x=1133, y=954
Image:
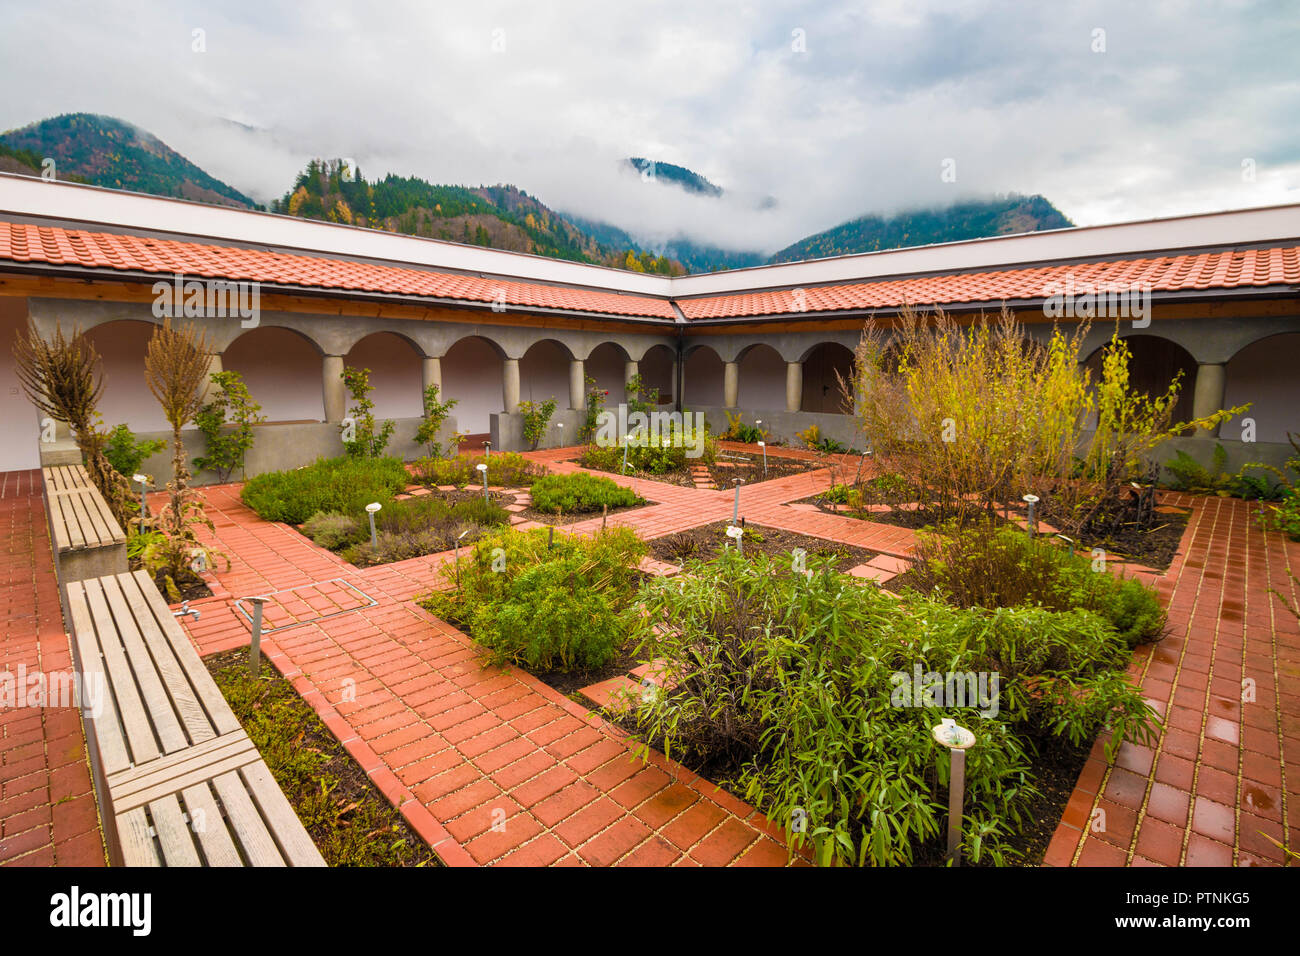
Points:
x=87, y=540
x=179, y=782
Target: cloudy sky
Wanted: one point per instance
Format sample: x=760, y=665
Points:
x=1114, y=111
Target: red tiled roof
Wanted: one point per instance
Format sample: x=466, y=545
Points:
x=165, y=257
x=97, y=250
x=1217, y=270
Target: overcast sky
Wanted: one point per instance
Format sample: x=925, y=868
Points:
x=833, y=109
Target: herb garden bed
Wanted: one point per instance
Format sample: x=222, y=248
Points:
x=709, y=541
x=350, y=821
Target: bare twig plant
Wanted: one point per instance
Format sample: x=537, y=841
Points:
x=63, y=378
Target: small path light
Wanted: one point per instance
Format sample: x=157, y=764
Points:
x=1030, y=524
x=560, y=426
x=735, y=511
x=737, y=533
x=143, y=482
x=763, y=445
x=255, y=648
x=957, y=739
x=482, y=470
x=370, y=511
x=1069, y=543
x=487, y=448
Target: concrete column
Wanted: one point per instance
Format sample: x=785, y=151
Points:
x=1207, y=396
x=730, y=384
x=793, y=386
x=630, y=371
x=431, y=374
x=336, y=396
x=577, y=384
x=214, y=366
x=510, y=384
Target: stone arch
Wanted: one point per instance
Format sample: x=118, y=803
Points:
x=395, y=372
x=472, y=374
x=126, y=399
x=658, y=370
x=282, y=368
x=607, y=364
x=703, y=377
x=544, y=372
x=824, y=364
x=1155, y=362
x=761, y=378
x=1264, y=374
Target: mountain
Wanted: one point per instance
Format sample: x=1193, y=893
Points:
x=105, y=151
x=501, y=217
x=680, y=176
x=970, y=219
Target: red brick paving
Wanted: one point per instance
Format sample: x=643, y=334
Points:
x=47, y=804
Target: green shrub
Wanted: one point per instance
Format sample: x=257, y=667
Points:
x=227, y=425
x=363, y=437
x=536, y=416
x=1191, y=476
x=581, y=492
x=435, y=415
x=568, y=607
x=505, y=469
x=982, y=566
x=656, y=455
x=126, y=453
x=331, y=529
x=425, y=525
x=800, y=690
x=346, y=485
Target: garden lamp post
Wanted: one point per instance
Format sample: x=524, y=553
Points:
x=763, y=445
x=487, y=448
x=735, y=509
x=1030, y=525
x=957, y=740
x=370, y=511
x=560, y=426
x=1069, y=542
x=737, y=533
x=255, y=648
x=482, y=470
x=143, y=482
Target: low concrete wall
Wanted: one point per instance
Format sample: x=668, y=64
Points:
x=279, y=447
x=1239, y=454
x=507, y=430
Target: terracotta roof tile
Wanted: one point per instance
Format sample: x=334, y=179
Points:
x=1211, y=270
x=97, y=250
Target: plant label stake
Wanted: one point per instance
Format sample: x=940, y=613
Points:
x=763, y=445
x=625, y=444
x=255, y=648
x=1031, y=525
x=957, y=740
x=370, y=510
x=604, y=516
x=735, y=509
x=482, y=468
x=456, y=548
x=550, y=538
x=1069, y=543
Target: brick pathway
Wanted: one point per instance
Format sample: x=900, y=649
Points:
x=1225, y=771
x=47, y=806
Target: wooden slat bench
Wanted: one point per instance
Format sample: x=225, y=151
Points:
x=87, y=540
x=179, y=782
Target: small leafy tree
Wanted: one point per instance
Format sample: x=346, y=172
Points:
x=367, y=440
x=227, y=425
x=176, y=366
x=126, y=452
x=435, y=416
x=536, y=416
x=595, y=403
x=641, y=397
x=63, y=379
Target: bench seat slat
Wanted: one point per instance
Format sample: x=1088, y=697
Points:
x=257, y=844
x=295, y=843
x=173, y=832
x=137, y=845
x=106, y=725
x=139, y=735
x=210, y=827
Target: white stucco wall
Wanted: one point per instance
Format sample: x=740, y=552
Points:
x=543, y=374
x=282, y=371
x=606, y=365
x=703, y=378
x=657, y=371
x=1266, y=374
x=471, y=373
x=19, y=421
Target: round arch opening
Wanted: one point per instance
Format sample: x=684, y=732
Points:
x=703, y=377
x=126, y=399
x=471, y=374
x=761, y=372
x=544, y=373
x=1154, y=363
x=824, y=367
x=396, y=373
x=282, y=369
x=1264, y=374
